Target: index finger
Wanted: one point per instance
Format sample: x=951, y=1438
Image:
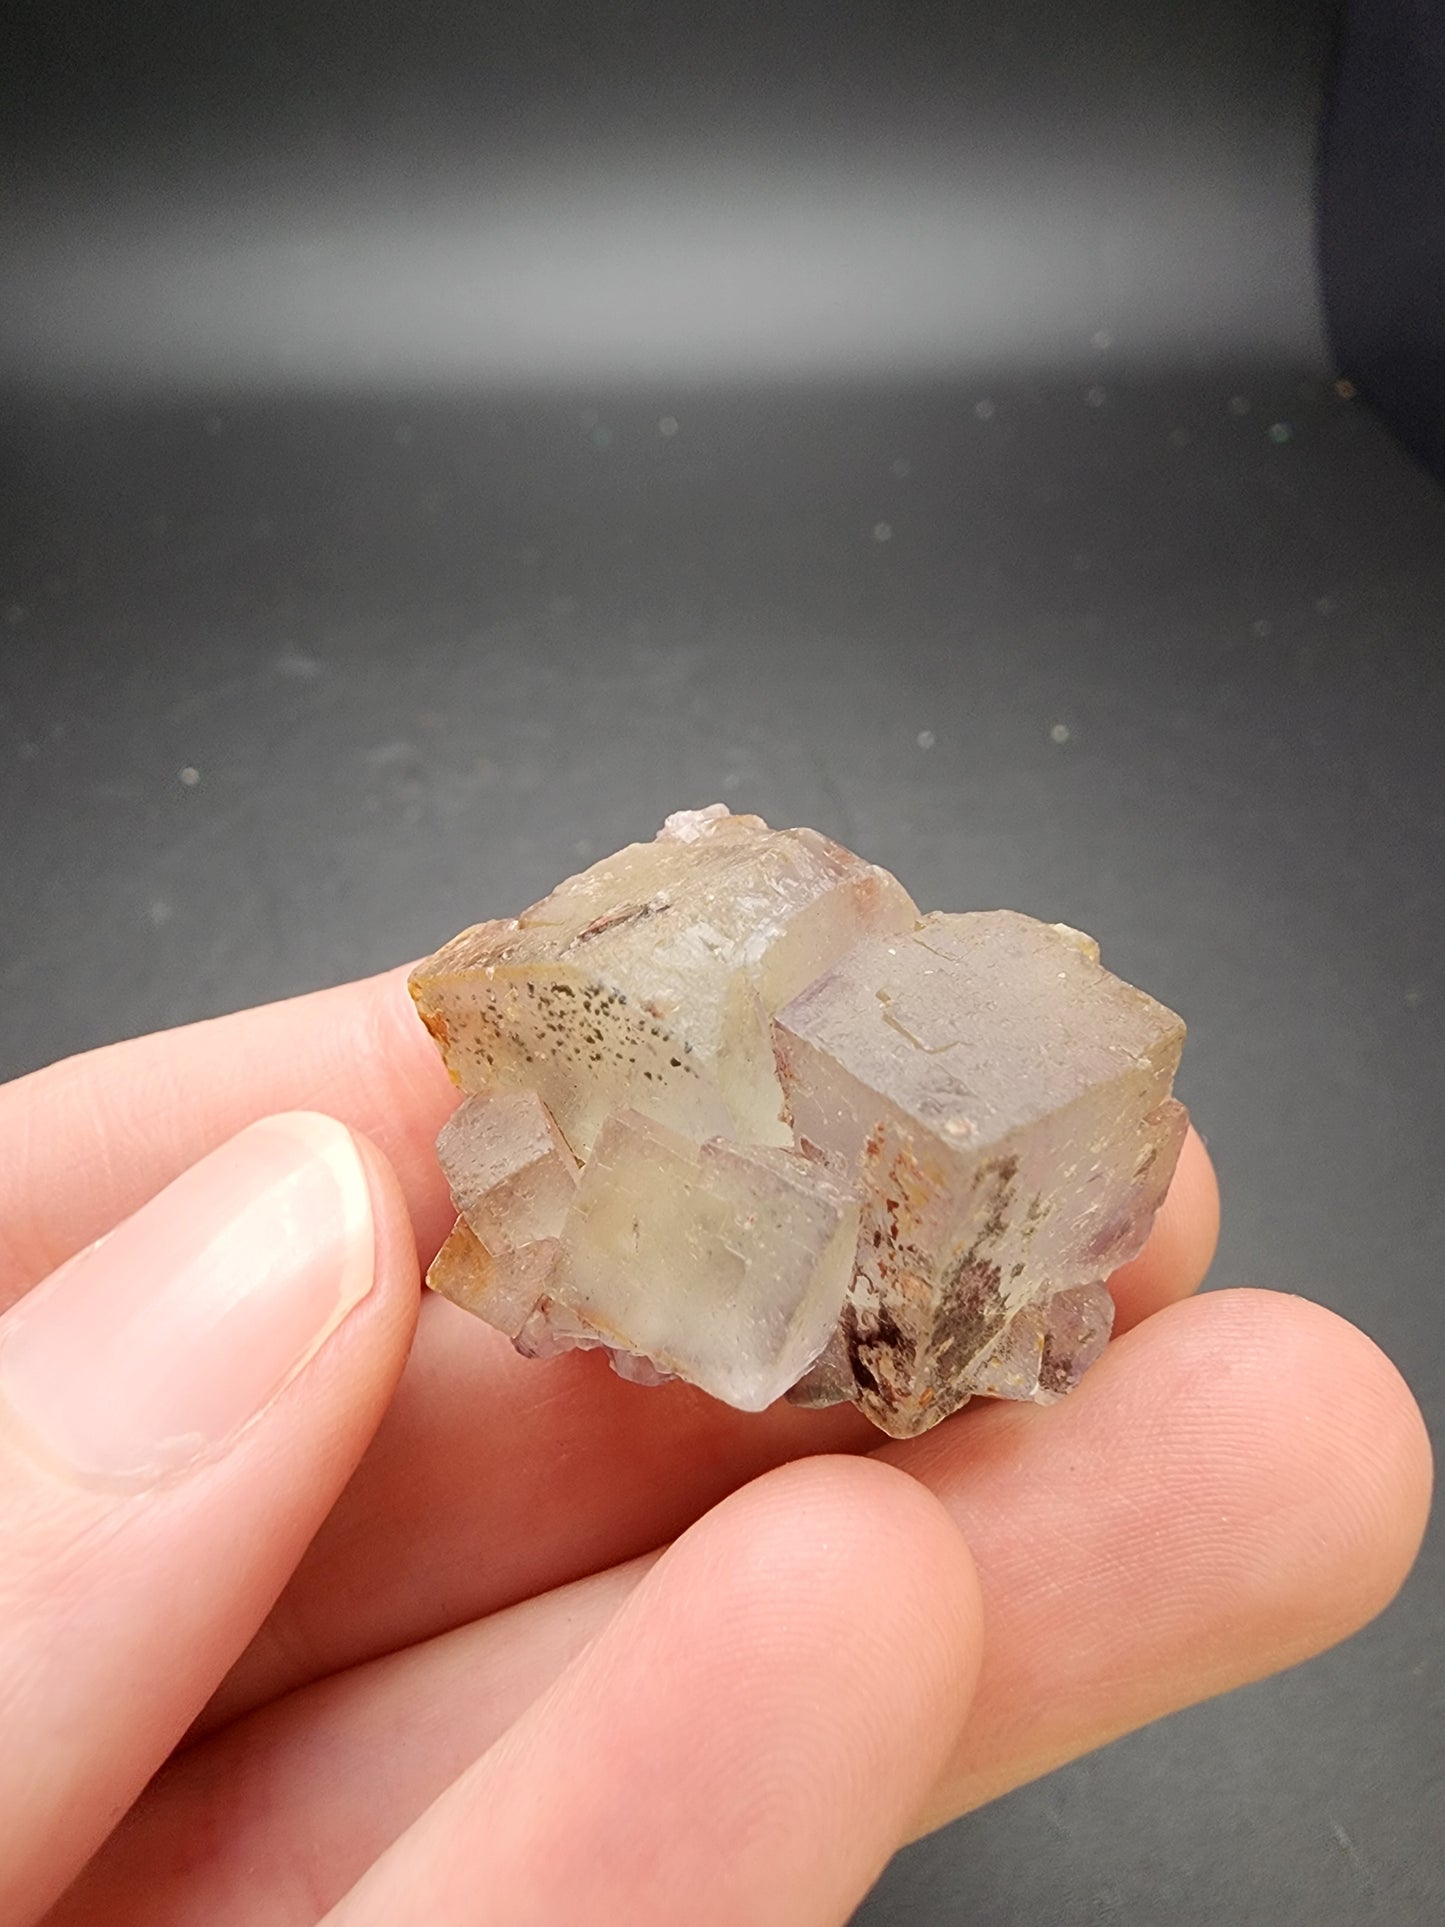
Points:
x=89, y=1140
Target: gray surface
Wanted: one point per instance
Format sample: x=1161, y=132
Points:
x=424, y=658
x=344, y=194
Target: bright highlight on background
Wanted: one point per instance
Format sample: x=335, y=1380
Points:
x=909, y=260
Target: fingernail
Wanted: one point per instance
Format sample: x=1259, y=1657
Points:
x=154, y=1348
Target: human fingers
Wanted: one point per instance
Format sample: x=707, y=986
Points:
x=1240, y=1483
x=553, y=1472
x=179, y=1406
x=494, y=1478
x=1243, y=1482
x=1181, y=1244
x=744, y=1741
x=332, y=1774
x=87, y=1141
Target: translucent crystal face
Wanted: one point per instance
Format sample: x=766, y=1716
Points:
x=827, y=1147
x=511, y=1174
x=724, y=1264
x=646, y=983
x=1001, y=1104
x=504, y=1288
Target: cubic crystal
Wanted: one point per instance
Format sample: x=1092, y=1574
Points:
x=646, y=983
x=724, y=1264
x=511, y=1174
x=1001, y=1104
x=827, y=1147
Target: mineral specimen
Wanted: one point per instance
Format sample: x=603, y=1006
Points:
x=736, y=1113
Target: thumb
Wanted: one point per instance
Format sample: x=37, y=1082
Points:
x=179, y=1406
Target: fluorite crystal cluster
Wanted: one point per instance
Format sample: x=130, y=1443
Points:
x=737, y=1113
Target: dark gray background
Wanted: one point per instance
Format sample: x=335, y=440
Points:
x=431, y=457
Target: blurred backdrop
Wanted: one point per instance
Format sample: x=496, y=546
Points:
x=436, y=443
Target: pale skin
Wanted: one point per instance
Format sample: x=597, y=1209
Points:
x=422, y=1631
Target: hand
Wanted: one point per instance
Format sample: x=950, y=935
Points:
x=440, y=1673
